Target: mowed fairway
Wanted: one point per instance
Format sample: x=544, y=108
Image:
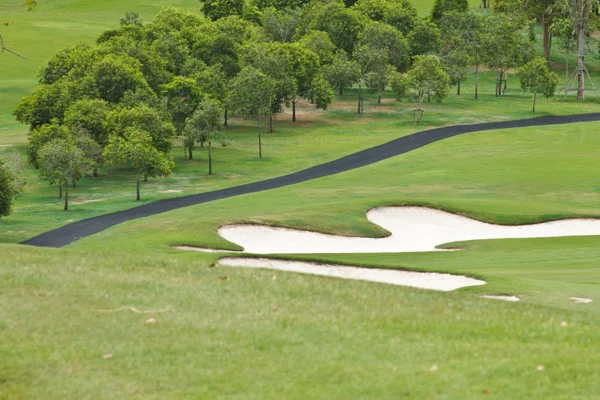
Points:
x=124, y=315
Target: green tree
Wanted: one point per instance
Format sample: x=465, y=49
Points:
x=370, y=60
x=251, y=96
x=115, y=75
x=280, y=25
x=386, y=37
x=504, y=48
x=91, y=149
x=42, y=135
x=425, y=77
x=213, y=82
x=136, y=148
x=61, y=162
x=442, y=7
x=144, y=119
x=562, y=30
x=216, y=9
x=402, y=16
x=465, y=34
x=182, y=97
x=342, y=72
x=12, y=181
x=399, y=83
x=424, y=38
x=205, y=124
x=343, y=25
x=89, y=114
x=319, y=43
x=537, y=78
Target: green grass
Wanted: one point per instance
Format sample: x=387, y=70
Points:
x=238, y=333
x=251, y=336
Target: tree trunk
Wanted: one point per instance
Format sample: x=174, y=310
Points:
x=567, y=66
x=259, y=140
x=209, y=157
x=59, y=190
x=190, y=152
x=458, y=89
x=429, y=95
x=341, y=90
x=137, y=186
x=145, y=177
x=74, y=182
x=294, y=111
x=359, y=98
x=547, y=36
x=379, y=97
x=66, y=196
x=581, y=9
x=580, y=61
x=534, y=97
x=225, y=117
x=476, y=81
x=95, y=173
x=271, y=123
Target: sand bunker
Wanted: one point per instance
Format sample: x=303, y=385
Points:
x=412, y=228
x=422, y=280
x=581, y=300
x=5, y=145
x=501, y=297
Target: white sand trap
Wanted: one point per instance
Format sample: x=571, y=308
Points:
x=412, y=229
x=205, y=249
x=422, y=280
x=5, y=145
x=581, y=300
x=501, y=297
x=170, y=191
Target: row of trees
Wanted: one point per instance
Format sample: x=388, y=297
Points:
x=183, y=76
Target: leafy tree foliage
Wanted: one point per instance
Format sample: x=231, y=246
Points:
x=61, y=162
x=89, y=114
x=252, y=95
x=280, y=25
x=319, y=43
x=370, y=60
x=442, y=7
x=145, y=119
x=427, y=77
x=343, y=25
x=12, y=181
x=137, y=149
x=215, y=9
x=342, y=72
x=537, y=78
x=42, y=135
x=506, y=48
x=204, y=125
x=182, y=96
x=424, y=38
x=401, y=15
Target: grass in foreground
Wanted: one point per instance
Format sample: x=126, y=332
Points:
x=229, y=333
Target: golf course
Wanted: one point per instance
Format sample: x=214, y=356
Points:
x=349, y=240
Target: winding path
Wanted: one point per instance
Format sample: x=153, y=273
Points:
x=70, y=233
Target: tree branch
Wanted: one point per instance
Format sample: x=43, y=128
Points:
x=4, y=48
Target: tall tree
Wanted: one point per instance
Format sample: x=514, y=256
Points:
x=424, y=38
x=466, y=34
x=371, y=60
x=136, y=148
x=442, y=7
x=206, y=122
x=182, y=96
x=537, y=78
x=280, y=25
x=342, y=72
x=215, y=9
x=61, y=162
x=545, y=11
x=12, y=181
x=562, y=29
x=425, y=77
x=252, y=95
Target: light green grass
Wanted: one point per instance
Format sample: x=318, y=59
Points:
x=252, y=336
x=239, y=334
